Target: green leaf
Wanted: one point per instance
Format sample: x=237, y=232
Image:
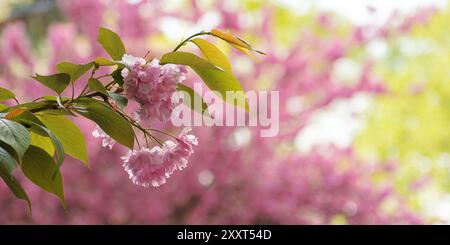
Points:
x=10, y=150
x=119, y=99
x=215, y=78
x=236, y=42
x=5, y=94
x=71, y=137
x=222, y=82
x=97, y=86
x=5, y=173
x=109, y=121
x=6, y=160
x=117, y=76
x=40, y=137
x=3, y=107
x=111, y=42
x=58, y=82
x=39, y=167
x=193, y=96
x=102, y=61
x=213, y=54
x=230, y=38
x=31, y=105
x=43, y=131
x=189, y=59
x=15, y=113
x=14, y=135
x=43, y=142
x=36, y=126
x=75, y=71
x=246, y=51
x=27, y=116
x=54, y=98
x=55, y=112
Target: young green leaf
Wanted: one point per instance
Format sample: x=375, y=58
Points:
x=192, y=97
x=245, y=51
x=102, y=61
x=75, y=71
x=189, y=59
x=111, y=42
x=38, y=166
x=215, y=78
x=14, y=185
x=97, y=86
x=109, y=121
x=5, y=94
x=222, y=82
x=14, y=135
x=119, y=99
x=71, y=137
x=58, y=82
x=213, y=54
x=236, y=42
x=230, y=38
x=43, y=142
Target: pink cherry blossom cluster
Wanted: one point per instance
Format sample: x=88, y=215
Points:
x=153, y=166
x=152, y=85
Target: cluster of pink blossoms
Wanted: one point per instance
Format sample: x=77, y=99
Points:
x=152, y=85
x=153, y=166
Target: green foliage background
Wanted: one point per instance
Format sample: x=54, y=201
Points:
x=411, y=123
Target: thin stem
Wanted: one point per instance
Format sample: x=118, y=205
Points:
x=110, y=84
x=189, y=38
x=136, y=125
x=73, y=90
x=144, y=130
x=84, y=90
x=148, y=52
x=40, y=98
x=87, y=85
x=59, y=102
x=137, y=141
x=162, y=132
x=146, y=140
x=155, y=139
x=106, y=75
